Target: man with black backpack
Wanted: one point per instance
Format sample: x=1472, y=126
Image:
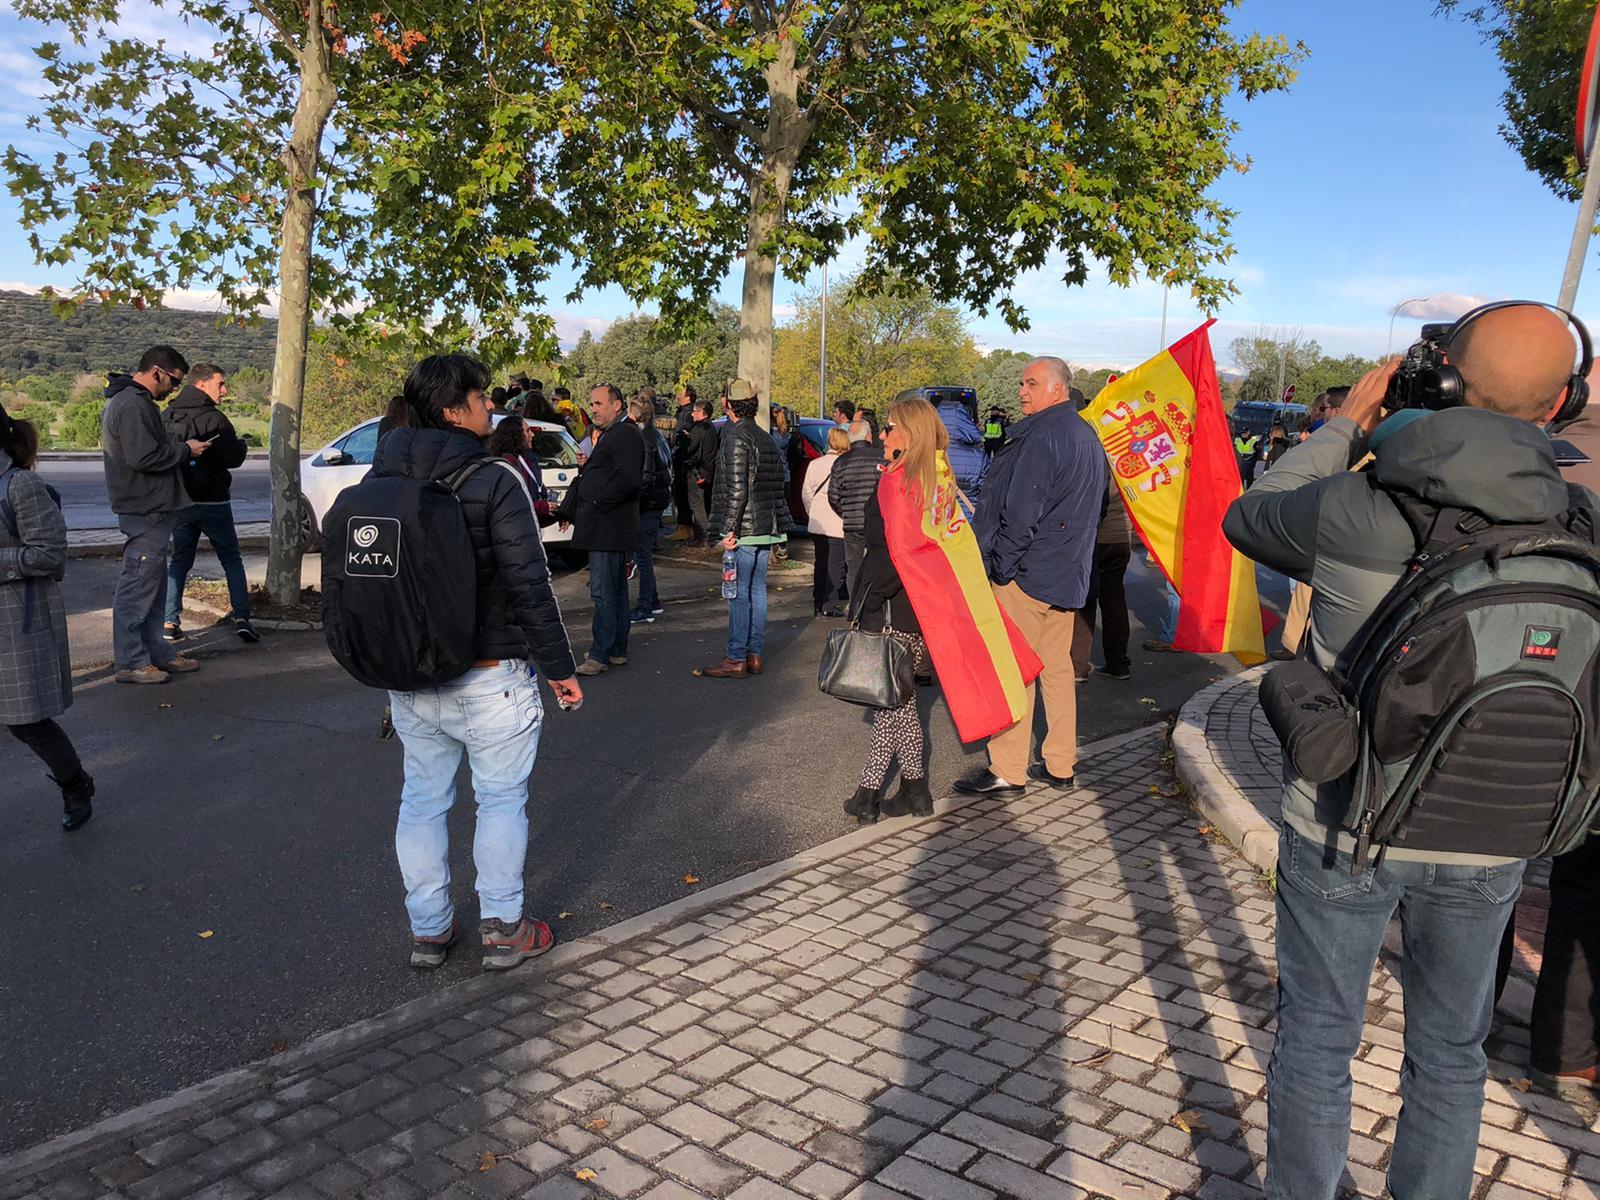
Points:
x=436, y=588
x=1432, y=738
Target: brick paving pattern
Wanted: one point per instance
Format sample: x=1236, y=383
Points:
x=1064, y=996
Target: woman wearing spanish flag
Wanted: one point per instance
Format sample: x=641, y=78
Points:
x=923, y=579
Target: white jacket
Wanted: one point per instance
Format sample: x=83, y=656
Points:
x=814, y=497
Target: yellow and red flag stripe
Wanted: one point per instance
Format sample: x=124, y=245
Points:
x=985, y=665
x=1166, y=435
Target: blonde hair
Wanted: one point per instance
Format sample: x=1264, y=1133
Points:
x=780, y=419
x=642, y=409
x=926, y=439
x=838, y=439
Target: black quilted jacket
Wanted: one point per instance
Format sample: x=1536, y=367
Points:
x=517, y=612
x=852, y=481
x=747, y=493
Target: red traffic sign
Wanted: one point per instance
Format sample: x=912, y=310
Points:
x=1288, y=393
x=1589, y=94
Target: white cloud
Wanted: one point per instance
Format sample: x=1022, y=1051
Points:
x=1440, y=306
x=781, y=312
x=570, y=326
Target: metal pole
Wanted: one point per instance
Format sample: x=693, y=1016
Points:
x=1282, y=351
x=1580, y=236
x=822, y=372
x=1165, y=292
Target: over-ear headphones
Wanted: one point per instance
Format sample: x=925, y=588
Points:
x=1439, y=385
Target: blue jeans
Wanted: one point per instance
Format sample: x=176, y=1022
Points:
x=608, y=588
x=1330, y=928
x=216, y=522
x=747, y=612
x=1169, y=623
x=649, y=527
x=141, y=595
x=494, y=714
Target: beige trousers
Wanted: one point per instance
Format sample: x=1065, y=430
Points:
x=1049, y=632
x=1296, y=618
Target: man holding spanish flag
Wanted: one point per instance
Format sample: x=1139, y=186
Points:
x=1036, y=528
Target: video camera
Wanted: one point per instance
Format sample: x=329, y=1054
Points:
x=1412, y=386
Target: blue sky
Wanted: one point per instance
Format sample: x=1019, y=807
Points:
x=1379, y=176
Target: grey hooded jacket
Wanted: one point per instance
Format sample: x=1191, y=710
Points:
x=1314, y=520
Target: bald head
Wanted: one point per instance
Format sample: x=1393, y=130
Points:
x=1515, y=361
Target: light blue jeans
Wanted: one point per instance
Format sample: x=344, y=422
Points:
x=747, y=612
x=1169, y=622
x=494, y=714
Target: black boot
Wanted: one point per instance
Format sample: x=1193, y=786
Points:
x=863, y=806
x=76, y=795
x=912, y=798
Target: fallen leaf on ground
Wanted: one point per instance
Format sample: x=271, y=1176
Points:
x=216, y=737
x=163, y=706
x=138, y=887
x=279, y=1046
x=1189, y=1120
x=1095, y=1061
x=603, y=904
x=1150, y=700
x=205, y=933
x=691, y=879
x=487, y=1160
x=1521, y=1085
x=597, y=1124
x=585, y=1174
x=562, y=916
x=1206, y=830
x=695, y=672
x=1033, y=978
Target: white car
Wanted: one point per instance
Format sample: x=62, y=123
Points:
x=347, y=459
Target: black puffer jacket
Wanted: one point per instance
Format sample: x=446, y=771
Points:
x=209, y=478
x=747, y=494
x=517, y=612
x=853, y=480
x=700, y=460
x=655, y=493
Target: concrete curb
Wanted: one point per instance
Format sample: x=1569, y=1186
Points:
x=1215, y=794
x=266, y=1074
x=111, y=547
x=216, y=613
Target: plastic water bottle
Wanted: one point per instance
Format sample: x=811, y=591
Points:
x=730, y=575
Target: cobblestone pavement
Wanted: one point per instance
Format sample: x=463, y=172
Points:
x=1064, y=996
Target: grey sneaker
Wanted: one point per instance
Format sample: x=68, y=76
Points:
x=146, y=674
x=430, y=952
x=618, y=660
x=590, y=666
x=506, y=944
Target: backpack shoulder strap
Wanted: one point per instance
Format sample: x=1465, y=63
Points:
x=1579, y=517
x=456, y=478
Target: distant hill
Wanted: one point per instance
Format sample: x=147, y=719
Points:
x=102, y=337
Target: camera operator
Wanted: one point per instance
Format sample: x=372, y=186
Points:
x=1342, y=535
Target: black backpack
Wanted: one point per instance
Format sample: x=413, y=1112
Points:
x=1476, y=689
x=399, y=582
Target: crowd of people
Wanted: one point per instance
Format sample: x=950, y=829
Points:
x=896, y=529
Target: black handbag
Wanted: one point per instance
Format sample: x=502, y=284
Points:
x=875, y=669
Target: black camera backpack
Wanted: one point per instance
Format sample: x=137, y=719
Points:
x=399, y=584
x=1475, y=688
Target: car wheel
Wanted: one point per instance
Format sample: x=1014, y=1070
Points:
x=310, y=535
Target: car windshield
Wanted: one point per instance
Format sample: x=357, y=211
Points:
x=554, y=449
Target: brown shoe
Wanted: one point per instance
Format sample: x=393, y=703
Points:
x=728, y=668
x=145, y=674
x=180, y=665
x=752, y=663
x=682, y=533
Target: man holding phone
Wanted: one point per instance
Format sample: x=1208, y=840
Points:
x=143, y=462
x=195, y=413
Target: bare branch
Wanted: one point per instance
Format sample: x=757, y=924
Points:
x=847, y=13
x=284, y=35
x=722, y=138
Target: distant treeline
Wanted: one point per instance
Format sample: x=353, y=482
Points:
x=101, y=338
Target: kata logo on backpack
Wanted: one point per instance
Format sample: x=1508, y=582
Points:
x=1541, y=642
x=373, y=547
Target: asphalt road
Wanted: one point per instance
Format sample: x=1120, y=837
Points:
x=253, y=801
x=82, y=484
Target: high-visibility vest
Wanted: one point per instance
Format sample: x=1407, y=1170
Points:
x=1244, y=446
x=994, y=430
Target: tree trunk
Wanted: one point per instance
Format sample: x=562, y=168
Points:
x=302, y=158
x=786, y=134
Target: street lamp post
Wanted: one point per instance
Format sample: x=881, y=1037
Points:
x=822, y=372
x=1388, y=346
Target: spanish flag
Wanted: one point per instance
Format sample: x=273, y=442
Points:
x=1166, y=434
x=985, y=665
